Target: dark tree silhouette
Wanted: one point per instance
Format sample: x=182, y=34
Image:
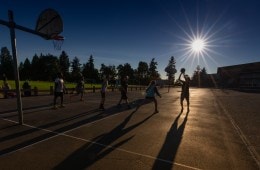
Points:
x=89, y=71
x=142, y=73
x=76, y=69
x=171, y=70
x=25, y=70
x=64, y=64
x=153, y=73
x=6, y=62
x=45, y=67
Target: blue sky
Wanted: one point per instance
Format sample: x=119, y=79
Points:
x=128, y=31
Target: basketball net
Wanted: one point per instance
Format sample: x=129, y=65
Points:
x=57, y=41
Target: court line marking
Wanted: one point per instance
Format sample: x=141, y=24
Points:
x=248, y=145
x=131, y=152
x=92, y=142
x=34, y=127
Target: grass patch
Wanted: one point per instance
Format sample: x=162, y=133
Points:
x=45, y=85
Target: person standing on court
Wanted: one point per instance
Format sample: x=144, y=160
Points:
x=80, y=88
x=5, y=87
x=150, y=94
x=59, y=89
x=151, y=90
x=185, y=86
x=103, y=93
x=124, y=87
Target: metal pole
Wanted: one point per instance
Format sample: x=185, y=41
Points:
x=24, y=29
x=16, y=71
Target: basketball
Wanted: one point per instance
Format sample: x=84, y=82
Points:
x=182, y=70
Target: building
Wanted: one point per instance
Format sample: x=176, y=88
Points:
x=243, y=76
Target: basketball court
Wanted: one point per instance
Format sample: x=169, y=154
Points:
x=80, y=136
x=49, y=26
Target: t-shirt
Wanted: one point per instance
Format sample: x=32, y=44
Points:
x=151, y=90
x=104, y=86
x=124, y=85
x=185, y=87
x=80, y=85
x=59, y=85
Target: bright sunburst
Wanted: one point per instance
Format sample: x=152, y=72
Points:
x=199, y=39
x=198, y=45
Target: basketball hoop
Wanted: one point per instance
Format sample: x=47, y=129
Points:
x=49, y=25
x=57, y=41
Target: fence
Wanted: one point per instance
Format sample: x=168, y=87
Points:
x=36, y=92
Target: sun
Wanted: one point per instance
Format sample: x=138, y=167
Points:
x=198, y=40
x=197, y=48
x=198, y=45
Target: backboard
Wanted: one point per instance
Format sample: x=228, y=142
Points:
x=49, y=23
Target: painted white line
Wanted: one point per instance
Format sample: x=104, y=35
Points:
x=34, y=142
x=99, y=120
x=131, y=152
x=100, y=144
x=56, y=133
x=25, y=110
x=248, y=145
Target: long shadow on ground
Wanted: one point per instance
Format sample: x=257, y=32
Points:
x=100, y=146
x=78, y=120
x=166, y=156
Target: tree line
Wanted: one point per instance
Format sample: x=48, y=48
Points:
x=45, y=68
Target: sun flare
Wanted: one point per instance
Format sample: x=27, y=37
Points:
x=199, y=41
x=198, y=45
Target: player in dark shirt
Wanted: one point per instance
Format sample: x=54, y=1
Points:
x=185, y=94
x=124, y=86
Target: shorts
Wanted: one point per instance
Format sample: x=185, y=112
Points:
x=58, y=94
x=185, y=96
x=79, y=90
x=123, y=95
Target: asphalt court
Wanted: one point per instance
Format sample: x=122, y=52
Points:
x=81, y=136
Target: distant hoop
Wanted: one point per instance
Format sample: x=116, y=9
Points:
x=57, y=41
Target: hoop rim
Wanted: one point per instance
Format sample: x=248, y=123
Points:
x=57, y=37
x=57, y=41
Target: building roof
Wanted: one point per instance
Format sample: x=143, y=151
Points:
x=241, y=68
